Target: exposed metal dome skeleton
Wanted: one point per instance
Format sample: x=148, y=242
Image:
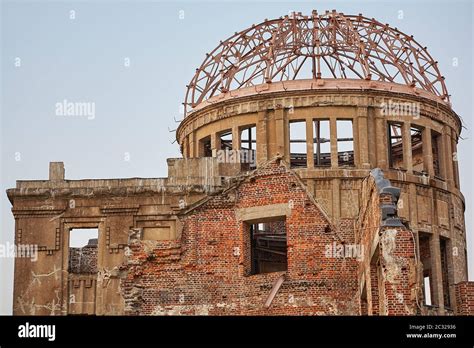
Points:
x=331, y=45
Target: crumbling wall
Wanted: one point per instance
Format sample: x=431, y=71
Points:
x=207, y=270
x=389, y=270
x=201, y=264
x=45, y=211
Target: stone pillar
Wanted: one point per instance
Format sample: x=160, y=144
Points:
x=185, y=147
x=193, y=146
x=381, y=142
x=455, y=158
x=333, y=131
x=281, y=131
x=413, y=204
x=448, y=156
x=309, y=143
x=361, y=138
x=236, y=138
x=215, y=143
x=56, y=171
x=336, y=199
x=427, y=152
x=262, y=154
x=407, y=153
x=371, y=135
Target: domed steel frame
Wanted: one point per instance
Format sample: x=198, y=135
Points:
x=331, y=45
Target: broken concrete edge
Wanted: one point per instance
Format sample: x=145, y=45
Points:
x=58, y=186
x=238, y=180
x=106, y=191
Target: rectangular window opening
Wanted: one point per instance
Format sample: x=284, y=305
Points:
x=345, y=143
x=425, y=259
x=248, y=143
x=268, y=246
x=395, y=145
x=82, y=271
x=322, y=143
x=205, y=149
x=443, y=245
x=298, y=154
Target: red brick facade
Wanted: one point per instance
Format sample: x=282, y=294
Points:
x=465, y=298
x=207, y=271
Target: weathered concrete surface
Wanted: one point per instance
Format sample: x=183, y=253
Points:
x=188, y=223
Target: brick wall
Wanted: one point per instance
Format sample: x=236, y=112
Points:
x=210, y=273
x=388, y=268
x=464, y=298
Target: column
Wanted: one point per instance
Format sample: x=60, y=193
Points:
x=407, y=153
x=333, y=131
x=362, y=141
x=309, y=143
x=427, y=152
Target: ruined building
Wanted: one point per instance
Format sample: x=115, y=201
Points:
x=319, y=176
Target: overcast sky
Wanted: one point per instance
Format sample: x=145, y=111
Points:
x=66, y=50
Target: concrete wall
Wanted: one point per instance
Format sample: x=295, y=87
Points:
x=46, y=210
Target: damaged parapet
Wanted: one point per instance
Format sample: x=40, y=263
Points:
x=389, y=196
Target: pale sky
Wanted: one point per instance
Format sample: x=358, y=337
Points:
x=82, y=59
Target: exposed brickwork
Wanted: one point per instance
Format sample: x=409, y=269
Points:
x=211, y=276
x=399, y=272
x=374, y=289
x=388, y=269
x=180, y=244
x=465, y=298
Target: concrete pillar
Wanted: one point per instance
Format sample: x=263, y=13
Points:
x=381, y=142
x=355, y=143
x=448, y=156
x=407, y=153
x=56, y=171
x=262, y=138
x=361, y=138
x=236, y=138
x=193, y=146
x=371, y=135
x=333, y=131
x=281, y=132
x=442, y=155
x=455, y=158
x=427, y=152
x=309, y=143
x=185, y=147
x=215, y=143
x=413, y=206
x=336, y=199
